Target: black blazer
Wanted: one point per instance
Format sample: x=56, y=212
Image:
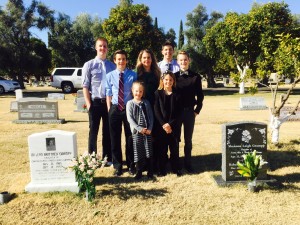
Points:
x=160, y=112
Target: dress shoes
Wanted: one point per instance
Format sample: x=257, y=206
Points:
x=150, y=175
x=178, y=173
x=132, y=171
x=189, y=169
x=162, y=173
x=138, y=175
x=118, y=172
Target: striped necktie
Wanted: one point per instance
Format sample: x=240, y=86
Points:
x=121, y=92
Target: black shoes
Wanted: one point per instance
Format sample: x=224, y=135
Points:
x=118, y=172
x=189, y=169
x=178, y=173
x=162, y=173
x=132, y=171
x=138, y=175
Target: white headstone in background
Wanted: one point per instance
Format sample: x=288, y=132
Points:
x=80, y=94
x=285, y=110
x=252, y=103
x=14, y=106
x=80, y=103
x=50, y=153
x=56, y=96
x=19, y=94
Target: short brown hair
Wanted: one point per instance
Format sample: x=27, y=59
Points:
x=121, y=52
x=168, y=43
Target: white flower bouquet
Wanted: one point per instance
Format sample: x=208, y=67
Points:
x=85, y=166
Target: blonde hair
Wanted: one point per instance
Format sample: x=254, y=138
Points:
x=183, y=53
x=138, y=83
x=163, y=75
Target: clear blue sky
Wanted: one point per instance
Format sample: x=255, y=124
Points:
x=168, y=12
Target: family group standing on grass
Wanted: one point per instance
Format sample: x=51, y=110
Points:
x=152, y=104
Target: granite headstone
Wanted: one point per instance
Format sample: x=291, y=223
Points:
x=38, y=112
x=239, y=139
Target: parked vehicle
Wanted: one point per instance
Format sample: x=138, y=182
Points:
x=66, y=78
x=8, y=85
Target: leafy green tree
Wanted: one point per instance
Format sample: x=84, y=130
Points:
x=39, y=60
x=287, y=62
x=15, y=35
x=171, y=36
x=250, y=39
x=181, y=36
x=130, y=28
x=72, y=42
x=269, y=20
x=197, y=24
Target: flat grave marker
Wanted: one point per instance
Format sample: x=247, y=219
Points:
x=252, y=103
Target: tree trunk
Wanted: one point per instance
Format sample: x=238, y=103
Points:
x=275, y=123
x=210, y=81
x=242, y=87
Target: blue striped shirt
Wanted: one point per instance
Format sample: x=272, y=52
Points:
x=94, y=76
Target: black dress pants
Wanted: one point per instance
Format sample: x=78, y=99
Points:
x=169, y=141
x=97, y=111
x=187, y=119
x=116, y=119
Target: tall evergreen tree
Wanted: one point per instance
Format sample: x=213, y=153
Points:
x=155, y=23
x=181, y=36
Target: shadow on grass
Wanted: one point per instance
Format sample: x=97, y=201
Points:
x=125, y=191
x=203, y=163
x=279, y=159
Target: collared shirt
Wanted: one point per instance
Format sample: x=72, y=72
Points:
x=94, y=76
x=164, y=66
x=112, y=84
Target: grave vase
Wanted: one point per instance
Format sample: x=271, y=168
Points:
x=252, y=185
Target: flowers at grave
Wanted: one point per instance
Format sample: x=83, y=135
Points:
x=84, y=167
x=251, y=165
x=84, y=107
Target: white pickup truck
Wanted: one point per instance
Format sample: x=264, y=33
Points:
x=66, y=78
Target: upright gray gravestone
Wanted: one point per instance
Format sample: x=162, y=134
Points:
x=50, y=153
x=239, y=139
x=80, y=94
x=80, y=102
x=38, y=112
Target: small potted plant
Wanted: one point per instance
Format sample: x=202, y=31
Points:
x=85, y=166
x=250, y=168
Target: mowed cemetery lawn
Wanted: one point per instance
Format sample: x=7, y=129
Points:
x=190, y=199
